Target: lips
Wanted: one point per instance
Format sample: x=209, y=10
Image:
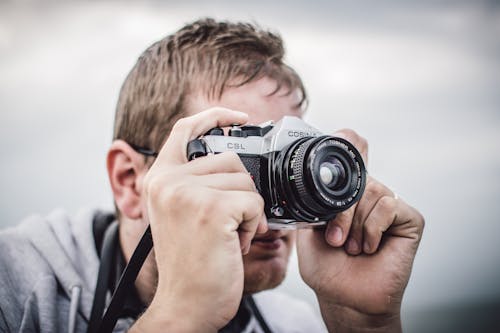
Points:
x=271, y=240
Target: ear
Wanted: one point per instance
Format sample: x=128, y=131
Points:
x=126, y=168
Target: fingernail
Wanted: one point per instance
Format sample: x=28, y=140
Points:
x=335, y=235
x=264, y=223
x=352, y=246
x=366, y=247
x=242, y=114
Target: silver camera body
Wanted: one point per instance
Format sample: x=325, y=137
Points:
x=305, y=177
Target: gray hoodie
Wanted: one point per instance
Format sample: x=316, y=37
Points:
x=48, y=272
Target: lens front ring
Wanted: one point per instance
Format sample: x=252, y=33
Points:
x=299, y=183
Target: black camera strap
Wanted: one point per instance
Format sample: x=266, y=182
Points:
x=109, y=253
x=258, y=315
x=126, y=281
x=105, y=324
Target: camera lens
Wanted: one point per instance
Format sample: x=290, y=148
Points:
x=318, y=177
x=332, y=173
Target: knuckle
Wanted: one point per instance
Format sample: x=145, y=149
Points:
x=420, y=220
x=207, y=206
x=243, y=181
x=247, y=180
x=257, y=205
x=259, y=201
x=181, y=125
x=387, y=204
x=254, y=203
x=374, y=188
x=186, y=198
x=231, y=155
x=233, y=159
x=163, y=193
x=360, y=142
x=350, y=133
x=152, y=186
x=344, y=219
x=177, y=194
x=363, y=143
x=215, y=112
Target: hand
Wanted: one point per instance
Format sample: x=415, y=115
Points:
x=360, y=265
x=203, y=215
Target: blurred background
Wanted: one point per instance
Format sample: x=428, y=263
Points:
x=419, y=79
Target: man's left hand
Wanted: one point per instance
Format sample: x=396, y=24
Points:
x=360, y=264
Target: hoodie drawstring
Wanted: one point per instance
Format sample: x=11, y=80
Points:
x=73, y=307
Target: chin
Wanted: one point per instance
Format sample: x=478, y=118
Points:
x=266, y=264
x=264, y=275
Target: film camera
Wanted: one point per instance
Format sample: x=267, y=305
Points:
x=305, y=177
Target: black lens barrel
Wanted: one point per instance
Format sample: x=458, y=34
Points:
x=298, y=179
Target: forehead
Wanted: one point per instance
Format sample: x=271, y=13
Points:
x=259, y=99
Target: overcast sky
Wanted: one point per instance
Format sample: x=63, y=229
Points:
x=419, y=80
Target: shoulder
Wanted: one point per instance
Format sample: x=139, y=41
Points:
x=41, y=259
x=22, y=265
x=285, y=313
x=23, y=272
x=18, y=253
x=56, y=245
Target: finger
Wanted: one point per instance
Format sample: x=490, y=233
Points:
x=408, y=222
x=380, y=219
x=337, y=229
x=234, y=181
x=263, y=226
x=392, y=217
x=225, y=162
x=358, y=141
x=373, y=192
x=354, y=242
x=248, y=212
x=189, y=128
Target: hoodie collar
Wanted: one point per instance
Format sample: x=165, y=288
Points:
x=67, y=246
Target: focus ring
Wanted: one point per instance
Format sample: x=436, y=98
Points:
x=298, y=171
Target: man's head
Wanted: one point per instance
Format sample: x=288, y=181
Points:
x=202, y=60
x=205, y=64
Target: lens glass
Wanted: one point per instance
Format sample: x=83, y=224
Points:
x=332, y=173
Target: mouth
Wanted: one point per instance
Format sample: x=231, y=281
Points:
x=271, y=240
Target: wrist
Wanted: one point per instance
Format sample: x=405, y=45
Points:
x=340, y=318
x=164, y=318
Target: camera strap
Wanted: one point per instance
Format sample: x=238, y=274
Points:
x=106, y=231
x=109, y=242
x=258, y=315
x=108, y=254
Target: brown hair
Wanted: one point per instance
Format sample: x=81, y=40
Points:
x=205, y=57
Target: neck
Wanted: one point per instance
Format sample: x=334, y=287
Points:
x=130, y=232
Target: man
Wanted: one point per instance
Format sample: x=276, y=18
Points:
x=212, y=246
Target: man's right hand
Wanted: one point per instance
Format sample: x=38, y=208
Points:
x=203, y=216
